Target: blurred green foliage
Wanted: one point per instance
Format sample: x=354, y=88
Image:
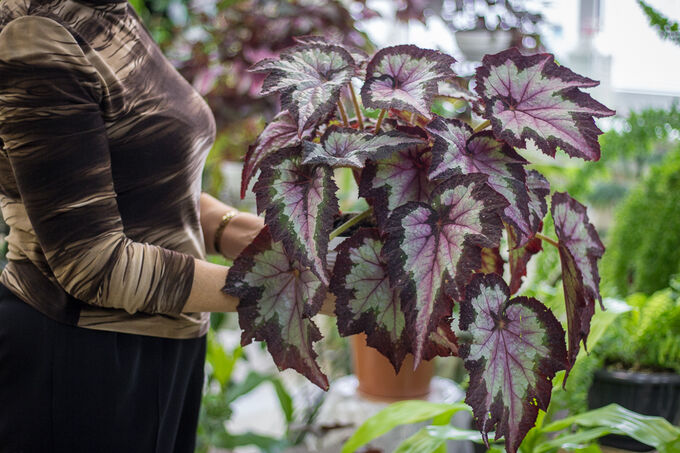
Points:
x=667, y=28
x=629, y=148
x=647, y=337
x=643, y=251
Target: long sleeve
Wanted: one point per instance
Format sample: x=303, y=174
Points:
x=56, y=142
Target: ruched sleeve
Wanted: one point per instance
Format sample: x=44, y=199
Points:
x=56, y=142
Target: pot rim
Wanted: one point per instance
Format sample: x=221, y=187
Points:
x=638, y=377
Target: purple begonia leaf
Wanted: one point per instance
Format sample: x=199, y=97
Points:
x=365, y=300
x=347, y=147
x=532, y=97
x=512, y=349
x=360, y=57
x=457, y=150
x=300, y=203
x=281, y=133
x=519, y=256
x=394, y=181
x=277, y=298
x=539, y=189
x=432, y=249
x=580, y=248
x=405, y=78
x=310, y=78
x=492, y=261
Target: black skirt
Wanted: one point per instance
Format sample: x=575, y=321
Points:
x=69, y=389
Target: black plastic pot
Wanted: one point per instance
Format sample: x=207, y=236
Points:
x=645, y=393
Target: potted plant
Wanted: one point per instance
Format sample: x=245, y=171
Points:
x=489, y=26
x=639, y=359
x=441, y=193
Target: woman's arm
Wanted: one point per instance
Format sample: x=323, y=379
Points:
x=206, y=291
x=239, y=232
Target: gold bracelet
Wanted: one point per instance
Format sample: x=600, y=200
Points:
x=226, y=218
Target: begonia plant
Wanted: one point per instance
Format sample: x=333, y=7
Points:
x=426, y=276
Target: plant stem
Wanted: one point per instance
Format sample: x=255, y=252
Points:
x=350, y=223
x=482, y=126
x=547, y=239
x=381, y=117
x=414, y=119
x=343, y=113
x=357, y=110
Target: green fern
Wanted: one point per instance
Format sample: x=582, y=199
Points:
x=644, y=247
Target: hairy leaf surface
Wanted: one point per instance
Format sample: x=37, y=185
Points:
x=405, y=78
x=277, y=298
x=531, y=97
x=365, y=300
x=512, y=349
x=300, y=203
x=394, y=181
x=281, y=133
x=310, y=78
x=347, y=147
x=580, y=248
x=457, y=150
x=432, y=249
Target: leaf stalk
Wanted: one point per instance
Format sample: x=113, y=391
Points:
x=350, y=223
x=482, y=126
x=343, y=114
x=547, y=239
x=381, y=117
x=357, y=110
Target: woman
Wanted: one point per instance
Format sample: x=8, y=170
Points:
x=103, y=302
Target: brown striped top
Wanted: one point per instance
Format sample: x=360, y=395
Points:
x=102, y=146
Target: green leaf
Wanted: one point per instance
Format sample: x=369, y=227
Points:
x=432, y=437
x=654, y=431
x=573, y=441
x=402, y=413
x=666, y=28
x=251, y=381
x=229, y=441
x=285, y=400
x=221, y=362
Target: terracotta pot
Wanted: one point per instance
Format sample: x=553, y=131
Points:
x=377, y=379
